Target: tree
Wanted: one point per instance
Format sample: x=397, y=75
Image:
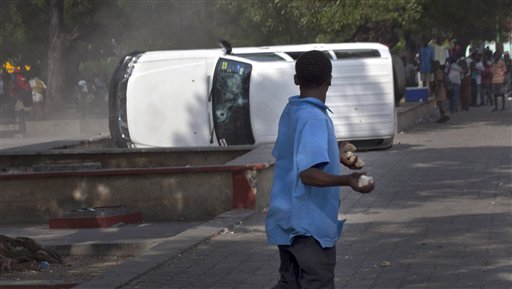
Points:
x=325, y=21
x=288, y=21
x=62, y=31
x=58, y=41
x=468, y=21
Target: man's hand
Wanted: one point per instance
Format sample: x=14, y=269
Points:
x=348, y=158
x=354, y=183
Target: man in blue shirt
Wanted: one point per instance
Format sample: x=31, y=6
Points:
x=426, y=58
x=304, y=201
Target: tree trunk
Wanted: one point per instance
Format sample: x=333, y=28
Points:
x=56, y=69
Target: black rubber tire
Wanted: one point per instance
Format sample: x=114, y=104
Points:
x=398, y=78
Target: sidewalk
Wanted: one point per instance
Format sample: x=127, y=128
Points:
x=151, y=243
x=440, y=217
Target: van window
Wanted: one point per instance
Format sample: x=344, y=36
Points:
x=261, y=56
x=295, y=55
x=230, y=102
x=359, y=53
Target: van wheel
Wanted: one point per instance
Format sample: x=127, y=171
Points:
x=398, y=78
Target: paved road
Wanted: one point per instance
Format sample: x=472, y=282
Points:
x=440, y=217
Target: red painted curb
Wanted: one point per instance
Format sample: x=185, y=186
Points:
x=243, y=194
x=135, y=171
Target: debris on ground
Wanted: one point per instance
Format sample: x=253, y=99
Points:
x=23, y=254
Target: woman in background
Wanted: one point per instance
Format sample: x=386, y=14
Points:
x=454, y=72
x=465, y=90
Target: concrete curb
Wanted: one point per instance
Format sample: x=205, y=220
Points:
x=166, y=250
x=106, y=249
x=37, y=284
x=411, y=113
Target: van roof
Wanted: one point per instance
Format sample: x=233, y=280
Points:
x=276, y=49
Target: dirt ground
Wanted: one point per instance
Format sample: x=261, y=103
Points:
x=76, y=269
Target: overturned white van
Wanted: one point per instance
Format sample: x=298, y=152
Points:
x=197, y=98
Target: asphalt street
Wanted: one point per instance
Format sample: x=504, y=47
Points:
x=440, y=217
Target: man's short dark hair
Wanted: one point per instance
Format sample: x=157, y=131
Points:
x=313, y=68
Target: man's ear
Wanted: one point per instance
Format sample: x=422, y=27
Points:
x=296, y=80
x=329, y=81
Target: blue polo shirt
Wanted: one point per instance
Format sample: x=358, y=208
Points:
x=305, y=139
x=426, y=56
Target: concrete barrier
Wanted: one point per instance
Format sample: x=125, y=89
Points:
x=160, y=196
x=159, y=193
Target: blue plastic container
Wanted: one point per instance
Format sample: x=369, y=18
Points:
x=416, y=94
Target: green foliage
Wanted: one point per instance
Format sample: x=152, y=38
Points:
x=469, y=20
x=13, y=32
x=271, y=22
x=117, y=27
x=101, y=67
x=288, y=21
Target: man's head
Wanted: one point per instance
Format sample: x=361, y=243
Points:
x=313, y=69
x=425, y=40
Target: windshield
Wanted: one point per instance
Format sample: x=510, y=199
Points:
x=230, y=103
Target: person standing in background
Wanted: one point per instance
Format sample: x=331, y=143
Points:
x=440, y=92
x=38, y=90
x=508, y=67
x=426, y=58
x=440, y=50
x=465, y=89
x=487, y=96
x=498, y=70
x=411, y=72
x=454, y=72
x=477, y=76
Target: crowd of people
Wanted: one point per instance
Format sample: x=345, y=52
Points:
x=23, y=93
x=91, y=95
x=459, y=82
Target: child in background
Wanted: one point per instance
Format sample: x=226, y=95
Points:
x=38, y=89
x=440, y=92
x=498, y=70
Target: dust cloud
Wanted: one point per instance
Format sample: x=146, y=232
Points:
x=119, y=28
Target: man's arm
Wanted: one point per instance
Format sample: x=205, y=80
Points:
x=319, y=178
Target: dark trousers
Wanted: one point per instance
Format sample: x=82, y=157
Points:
x=306, y=265
x=474, y=93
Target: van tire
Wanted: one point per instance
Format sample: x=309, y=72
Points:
x=398, y=78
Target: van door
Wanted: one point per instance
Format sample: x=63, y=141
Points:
x=230, y=102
